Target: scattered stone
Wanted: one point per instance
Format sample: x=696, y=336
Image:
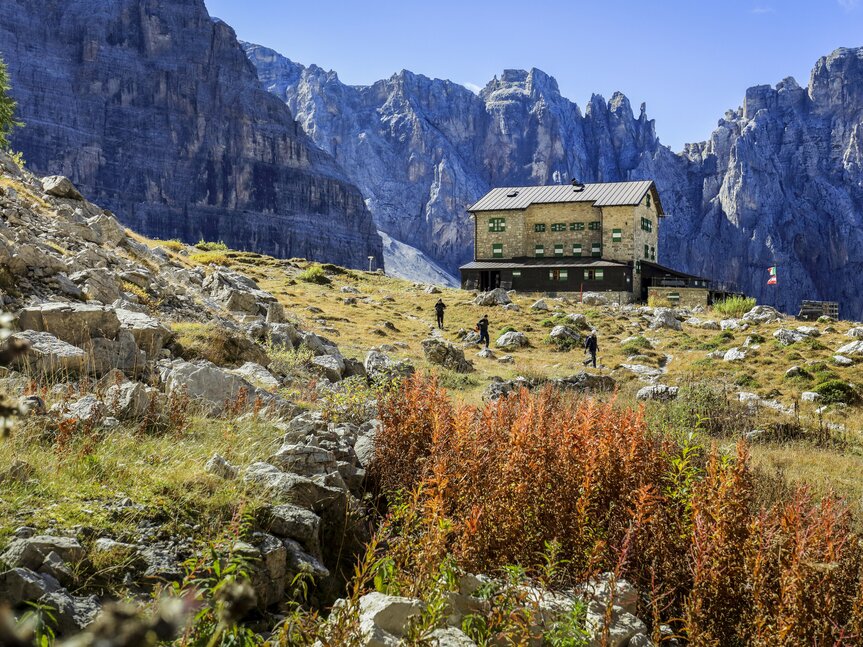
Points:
x=380, y=367
x=787, y=337
x=330, y=366
x=486, y=353
x=293, y=522
x=257, y=374
x=75, y=323
x=854, y=349
x=733, y=324
x=856, y=332
x=60, y=187
x=810, y=396
x=840, y=360
x=384, y=619
x=498, y=296
x=794, y=371
x=565, y=336
x=809, y=331
x=305, y=460
x=48, y=355
x=734, y=355
x=219, y=466
x=512, y=307
x=149, y=334
x=665, y=318
x=440, y=352
x=540, y=305
x=659, y=392
x=512, y=340
x=432, y=289
x=763, y=314
x=30, y=552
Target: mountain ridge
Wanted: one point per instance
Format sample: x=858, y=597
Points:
x=433, y=138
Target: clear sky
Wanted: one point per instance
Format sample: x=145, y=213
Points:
x=689, y=60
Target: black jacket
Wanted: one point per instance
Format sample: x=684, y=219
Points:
x=482, y=324
x=439, y=306
x=591, y=345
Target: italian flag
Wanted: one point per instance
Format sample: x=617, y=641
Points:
x=772, y=272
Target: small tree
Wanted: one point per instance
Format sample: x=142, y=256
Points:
x=7, y=107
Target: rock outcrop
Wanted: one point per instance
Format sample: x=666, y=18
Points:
x=152, y=109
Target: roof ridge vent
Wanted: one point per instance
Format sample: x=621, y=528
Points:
x=577, y=186
x=512, y=193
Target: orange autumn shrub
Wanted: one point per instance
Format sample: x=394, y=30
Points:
x=680, y=522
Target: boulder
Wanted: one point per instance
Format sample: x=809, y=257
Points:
x=206, y=383
x=495, y=297
x=74, y=323
x=98, y=284
x=59, y=186
x=149, y=334
x=704, y=324
x=787, y=337
x=578, y=320
x=257, y=374
x=763, y=314
x=443, y=353
x=20, y=584
x=854, y=349
x=129, y=400
x=665, y=318
x=856, y=332
x=293, y=522
x=48, y=355
x=305, y=460
x=810, y=396
x=486, y=353
x=585, y=382
x=840, y=360
x=330, y=366
x=540, y=305
x=268, y=567
x=432, y=289
x=87, y=409
x=512, y=340
x=121, y=353
x=809, y=331
x=659, y=392
x=30, y=552
x=236, y=292
x=219, y=466
x=72, y=612
x=380, y=367
x=734, y=355
x=733, y=324
x=292, y=488
x=384, y=619
x=595, y=299
x=565, y=336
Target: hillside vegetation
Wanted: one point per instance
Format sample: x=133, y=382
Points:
x=233, y=442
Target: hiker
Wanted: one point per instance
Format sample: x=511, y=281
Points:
x=482, y=327
x=439, y=307
x=591, y=346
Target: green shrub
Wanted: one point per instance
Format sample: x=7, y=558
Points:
x=833, y=391
x=211, y=247
x=635, y=345
x=507, y=329
x=314, y=273
x=734, y=306
x=210, y=258
x=720, y=339
x=7, y=108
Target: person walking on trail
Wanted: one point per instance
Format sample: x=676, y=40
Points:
x=482, y=327
x=439, y=307
x=591, y=346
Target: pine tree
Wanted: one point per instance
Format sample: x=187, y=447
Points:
x=7, y=107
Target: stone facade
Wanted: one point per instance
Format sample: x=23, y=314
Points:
x=686, y=297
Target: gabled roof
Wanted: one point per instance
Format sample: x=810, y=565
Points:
x=541, y=263
x=601, y=194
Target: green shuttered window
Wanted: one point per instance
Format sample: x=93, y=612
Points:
x=497, y=250
x=497, y=224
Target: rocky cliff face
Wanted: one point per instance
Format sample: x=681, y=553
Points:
x=152, y=109
x=777, y=183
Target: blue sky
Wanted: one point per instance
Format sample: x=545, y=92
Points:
x=689, y=60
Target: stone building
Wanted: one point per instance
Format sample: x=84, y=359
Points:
x=600, y=237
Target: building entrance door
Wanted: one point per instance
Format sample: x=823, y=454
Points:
x=489, y=280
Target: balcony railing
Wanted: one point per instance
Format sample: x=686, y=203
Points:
x=685, y=282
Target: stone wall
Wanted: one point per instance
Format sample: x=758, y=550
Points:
x=689, y=297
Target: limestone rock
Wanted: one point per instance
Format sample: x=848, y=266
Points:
x=665, y=318
x=443, y=353
x=60, y=187
x=657, y=392
x=257, y=374
x=496, y=297
x=540, y=305
x=853, y=349
x=48, y=355
x=787, y=337
x=763, y=314
x=219, y=466
x=734, y=355
x=512, y=340
x=150, y=335
x=75, y=323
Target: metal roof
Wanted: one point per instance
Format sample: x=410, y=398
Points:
x=601, y=194
x=541, y=262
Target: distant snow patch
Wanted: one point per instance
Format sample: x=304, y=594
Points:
x=407, y=262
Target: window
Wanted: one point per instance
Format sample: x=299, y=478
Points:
x=674, y=297
x=497, y=250
x=616, y=235
x=559, y=226
x=638, y=267
x=516, y=274
x=596, y=225
x=646, y=251
x=594, y=275
x=539, y=228
x=596, y=249
x=539, y=251
x=564, y=275
x=576, y=249
x=576, y=226
x=652, y=253
x=497, y=224
x=558, y=275
x=648, y=199
x=558, y=249
x=647, y=224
